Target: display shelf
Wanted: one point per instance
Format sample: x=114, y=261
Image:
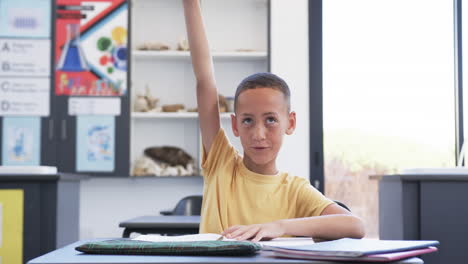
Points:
x=239, y=47
x=181, y=115
x=197, y=176
x=171, y=54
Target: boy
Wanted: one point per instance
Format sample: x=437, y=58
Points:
x=245, y=197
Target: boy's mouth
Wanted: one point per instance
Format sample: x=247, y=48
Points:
x=260, y=148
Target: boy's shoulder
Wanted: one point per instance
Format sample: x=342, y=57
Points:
x=299, y=184
x=294, y=178
x=221, y=157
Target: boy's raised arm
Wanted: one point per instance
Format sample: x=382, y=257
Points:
x=207, y=94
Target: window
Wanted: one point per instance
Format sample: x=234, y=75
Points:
x=388, y=96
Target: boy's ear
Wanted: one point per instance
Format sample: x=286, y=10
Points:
x=234, y=125
x=291, y=123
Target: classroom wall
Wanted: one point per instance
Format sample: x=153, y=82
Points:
x=105, y=202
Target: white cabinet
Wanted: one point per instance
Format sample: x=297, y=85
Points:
x=238, y=34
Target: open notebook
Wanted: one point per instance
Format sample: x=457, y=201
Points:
x=345, y=249
x=267, y=245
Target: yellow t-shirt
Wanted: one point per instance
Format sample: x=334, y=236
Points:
x=234, y=195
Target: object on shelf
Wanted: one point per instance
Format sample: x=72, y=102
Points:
x=145, y=166
x=230, y=103
x=150, y=45
x=146, y=102
x=183, y=45
x=223, y=106
x=164, y=161
x=171, y=155
x=173, y=108
x=193, y=110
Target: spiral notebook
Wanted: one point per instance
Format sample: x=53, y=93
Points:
x=385, y=257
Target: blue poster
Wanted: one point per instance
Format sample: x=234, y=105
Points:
x=25, y=18
x=95, y=143
x=21, y=141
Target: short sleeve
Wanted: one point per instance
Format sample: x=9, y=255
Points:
x=221, y=152
x=310, y=202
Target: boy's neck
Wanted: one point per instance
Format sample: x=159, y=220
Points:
x=265, y=169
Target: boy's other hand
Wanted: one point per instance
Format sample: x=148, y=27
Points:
x=254, y=232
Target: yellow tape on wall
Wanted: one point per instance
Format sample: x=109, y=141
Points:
x=11, y=226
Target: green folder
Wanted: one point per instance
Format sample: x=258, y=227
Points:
x=196, y=248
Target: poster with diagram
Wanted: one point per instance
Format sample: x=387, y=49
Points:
x=21, y=141
x=25, y=62
x=91, y=47
x=25, y=18
x=95, y=143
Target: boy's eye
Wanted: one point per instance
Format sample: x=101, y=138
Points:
x=271, y=120
x=247, y=121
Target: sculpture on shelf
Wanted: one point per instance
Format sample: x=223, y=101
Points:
x=173, y=108
x=183, y=44
x=222, y=102
x=164, y=161
x=146, y=102
x=151, y=45
x=223, y=106
x=171, y=155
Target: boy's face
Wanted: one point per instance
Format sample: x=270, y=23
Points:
x=261, y=121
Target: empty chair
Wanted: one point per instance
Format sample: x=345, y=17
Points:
x=190, y=205
x=342, y=205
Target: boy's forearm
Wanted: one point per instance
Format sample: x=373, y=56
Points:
x=198, y=42
x=325, y=227
x=207, y=94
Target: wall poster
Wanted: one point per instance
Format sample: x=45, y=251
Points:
x=25, y=50
x=95, y=144
x=91, y=47
x=21, y=141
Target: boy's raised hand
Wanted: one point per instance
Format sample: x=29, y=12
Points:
x=255, y=232
x=207, y=94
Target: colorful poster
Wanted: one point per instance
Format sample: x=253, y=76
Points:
x=91, y=47
x=25, y=18
x=95, y=143
x=21, y=141
x=12, y=211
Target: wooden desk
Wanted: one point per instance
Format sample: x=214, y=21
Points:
x=68, y=255
x=160, y=224
x=426, y=207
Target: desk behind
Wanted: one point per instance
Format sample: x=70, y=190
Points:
x=68, y=255
x=161, y=224
x=426, y=207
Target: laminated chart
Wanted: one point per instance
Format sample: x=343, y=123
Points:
x=91, y=47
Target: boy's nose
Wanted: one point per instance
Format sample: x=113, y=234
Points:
x=259, y=133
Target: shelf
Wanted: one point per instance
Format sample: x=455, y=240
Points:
x=171, y=54
x=181, y=115
x=166, y=177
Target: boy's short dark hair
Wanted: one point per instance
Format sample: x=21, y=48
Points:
x=264, y=79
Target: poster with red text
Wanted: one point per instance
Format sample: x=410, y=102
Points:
x=91, y=50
